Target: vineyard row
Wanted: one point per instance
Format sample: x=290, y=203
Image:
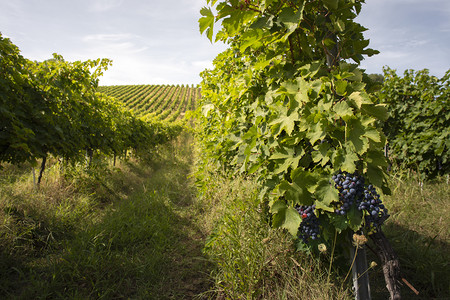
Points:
x=156, y=102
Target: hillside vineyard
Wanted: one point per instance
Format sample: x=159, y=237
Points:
x=157, y=102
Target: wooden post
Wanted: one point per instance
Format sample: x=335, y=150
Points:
x=41, y=172
x=360, y=273
x=390, y=263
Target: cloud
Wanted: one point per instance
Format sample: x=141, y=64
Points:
x=115, y=44
x=109, y=37
x=104, y=5
x=410, y=34
x=203, y=64
x=131, y=70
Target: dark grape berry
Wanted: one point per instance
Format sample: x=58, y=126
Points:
x=350, y=187
x=372, y=203
x=354, y=193
x=309, y=227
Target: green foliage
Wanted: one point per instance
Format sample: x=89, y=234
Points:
x=22, y=108
x=284, y=103
x=53, y=107
x=418, y=128
x=125, y=232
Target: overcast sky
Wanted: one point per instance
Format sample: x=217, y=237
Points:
x=158, y=42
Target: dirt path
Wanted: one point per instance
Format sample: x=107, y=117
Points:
x=187, y=274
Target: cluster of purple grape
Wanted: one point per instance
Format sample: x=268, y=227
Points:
x=351, y=188
x=309, y=227
x=372, y=203
x=352, y=191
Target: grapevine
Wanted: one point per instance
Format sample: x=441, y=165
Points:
x=54, y=108
x=289, y=80
x=285, y=104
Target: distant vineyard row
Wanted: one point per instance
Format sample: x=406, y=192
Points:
x=161, y=102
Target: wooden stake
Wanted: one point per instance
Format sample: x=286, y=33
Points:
x=360, y=275
x=41, y=172
x=390, y=263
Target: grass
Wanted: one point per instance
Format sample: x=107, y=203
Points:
x=254, y=261
x=419, y=231
x=140, y=231
x=107, y=234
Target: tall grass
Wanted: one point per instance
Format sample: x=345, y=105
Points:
x=419, y=231
x=138, y=231
x=253, y=260
x=110, y=233
x=256, y=262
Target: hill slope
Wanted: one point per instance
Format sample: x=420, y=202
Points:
x=162, y=102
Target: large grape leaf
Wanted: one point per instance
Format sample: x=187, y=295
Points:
x=326, y=193
x=207, y=22
x=285, y=121
x=349, y=164
x=285, y=217
x=291, y=19
x=298, y=191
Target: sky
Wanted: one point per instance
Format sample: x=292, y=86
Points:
x=158, y=41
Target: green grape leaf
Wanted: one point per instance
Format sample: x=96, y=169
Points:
x=373, y=134
x=349, y=164
x=329, y=43
x=321, y=154
x=316, y=133
x=251, y=38
x=322, y=206
x=356, y=136
x=326, y=193
x=341, y=87
x=376, y=158
x=285, y=217
x=263, y=22
x=297, y=191
x=284, y=122
x=375, y=175
x=292, y=221
x=288, y=158
x=339, y=222
x=333, y=4
x=343, y=110
x=355, y=219
x=360, y=98
x=278, y=209
x=206, y=22
x=290, y=18
x=379, y=111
